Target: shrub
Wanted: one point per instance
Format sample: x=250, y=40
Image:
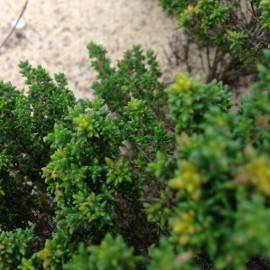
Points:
x=111, y=254
x=232, y=33
x=15, y=246
x=97, y=172
x=25, y=120
x=141, y=177
x=215, y=206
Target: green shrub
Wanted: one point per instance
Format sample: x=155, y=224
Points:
x=15, y=246
x=111, y=254
x=233, y=33
x=215, y=207
x=135, y=76
x=24, y=122
x=96, y=187
x=141, y=177
x=189, y=99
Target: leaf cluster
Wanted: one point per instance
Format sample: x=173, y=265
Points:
x=140, y=177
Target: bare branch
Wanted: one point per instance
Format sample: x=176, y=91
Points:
x=15, y=25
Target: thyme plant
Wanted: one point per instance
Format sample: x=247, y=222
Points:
x=140, y=177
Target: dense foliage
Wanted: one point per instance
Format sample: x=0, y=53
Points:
x=24, y=121
x=141, y=177
x=232, y=33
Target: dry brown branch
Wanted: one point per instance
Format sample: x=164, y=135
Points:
x=15, y=25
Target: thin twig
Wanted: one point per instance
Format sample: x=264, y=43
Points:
x=15, y=25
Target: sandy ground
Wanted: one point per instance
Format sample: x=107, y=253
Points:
x=56, y=33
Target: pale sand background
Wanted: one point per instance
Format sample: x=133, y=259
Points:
x=56, y=33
